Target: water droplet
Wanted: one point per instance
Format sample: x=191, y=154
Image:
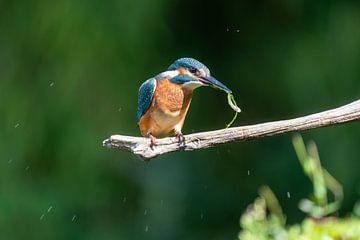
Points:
x=52, y=84
x=124, y=199
x=145, y=212
x=227, y=29
x=42, y=217
x=17, y=125
x=288, y=194
x=120, y=108
x=146, y=228
x=238, y=30
x=73, y=218
x=248, y=172
x=49, y=209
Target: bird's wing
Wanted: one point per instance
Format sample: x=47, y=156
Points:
x=146, y=93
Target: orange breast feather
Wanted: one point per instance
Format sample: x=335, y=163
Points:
x=167, y=110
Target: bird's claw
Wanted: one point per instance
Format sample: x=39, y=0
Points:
x=181, y=139
x=152, y=141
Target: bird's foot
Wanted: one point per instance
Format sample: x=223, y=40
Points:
x=181, y=139
x=152, y=141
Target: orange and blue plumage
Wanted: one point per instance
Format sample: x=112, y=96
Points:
x=165, y=99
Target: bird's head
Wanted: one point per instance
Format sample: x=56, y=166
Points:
x=192, y=73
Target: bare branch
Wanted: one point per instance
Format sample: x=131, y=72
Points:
x=141, y=146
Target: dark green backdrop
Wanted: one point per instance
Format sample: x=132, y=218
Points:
x=69, y=75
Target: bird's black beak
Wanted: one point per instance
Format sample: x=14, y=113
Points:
x=212, y=82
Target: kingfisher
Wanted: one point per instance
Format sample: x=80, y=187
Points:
x=164, y=100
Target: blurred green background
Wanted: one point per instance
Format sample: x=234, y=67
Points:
x=69, y=76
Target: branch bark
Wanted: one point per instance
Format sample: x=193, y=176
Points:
x=141, y=146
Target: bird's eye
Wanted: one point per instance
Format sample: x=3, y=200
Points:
x=193, y=70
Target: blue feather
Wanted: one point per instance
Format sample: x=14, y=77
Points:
x=188, y=63
x=146, y=93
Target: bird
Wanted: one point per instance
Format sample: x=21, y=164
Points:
x=164, y=100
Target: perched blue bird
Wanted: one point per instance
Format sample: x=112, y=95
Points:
x=165, y=99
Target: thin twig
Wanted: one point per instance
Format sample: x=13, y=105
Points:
x=141, y=146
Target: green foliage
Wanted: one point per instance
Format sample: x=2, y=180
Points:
x=322, y=181
x=258, y=225
x=264, y=218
